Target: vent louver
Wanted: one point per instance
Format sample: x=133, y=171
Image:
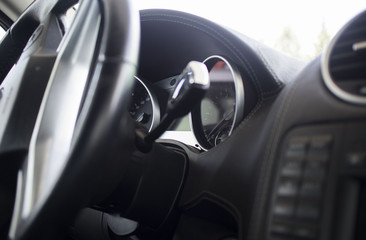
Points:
x=344, y=63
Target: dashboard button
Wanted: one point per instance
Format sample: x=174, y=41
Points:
x=288, y=187
x=305, y=232
x=311, y=188
x=296, y=149
x=309, y=210
x=315, y=170
x=319, y=149
x=284, y=207
x=292, y=168
x=281, y=229
x=356, y=159
x=321, y=141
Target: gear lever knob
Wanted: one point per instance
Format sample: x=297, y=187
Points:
x=191, y=88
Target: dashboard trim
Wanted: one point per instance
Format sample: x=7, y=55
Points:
x=325, y=64
x=155, y=106
x=239, y=103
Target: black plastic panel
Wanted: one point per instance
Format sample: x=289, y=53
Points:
x=317, y=188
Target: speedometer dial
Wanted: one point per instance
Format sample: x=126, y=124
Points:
x=223, y=105
x=144, y=108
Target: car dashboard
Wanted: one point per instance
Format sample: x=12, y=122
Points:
x=193, y=41
x=291, y=168
x=275, y=150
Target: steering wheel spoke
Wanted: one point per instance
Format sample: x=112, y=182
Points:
x=54, y=130
x=83, y=108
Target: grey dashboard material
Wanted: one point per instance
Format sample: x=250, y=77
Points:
x=213, y=39
x=293, y=168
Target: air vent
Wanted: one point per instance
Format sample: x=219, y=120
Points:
x=344, y=63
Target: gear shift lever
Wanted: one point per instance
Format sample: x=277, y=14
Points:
x=190, y=89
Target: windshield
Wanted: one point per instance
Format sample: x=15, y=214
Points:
x=300, y=29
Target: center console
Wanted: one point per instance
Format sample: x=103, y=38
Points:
x=320, y=187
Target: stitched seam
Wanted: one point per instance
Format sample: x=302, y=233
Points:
x=153, y=17
x=227, y=205
x=246, y=64
x=257, y=86
x=241, y=58
x=272, y=91
x=250, y=115
x=269, y=68
x=270, y=150
x=256, y=82
x=218, y=37
x=266, y=174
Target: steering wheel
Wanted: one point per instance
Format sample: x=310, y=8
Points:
x=80, y=136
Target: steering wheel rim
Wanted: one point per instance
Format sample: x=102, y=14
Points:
x=82, y=130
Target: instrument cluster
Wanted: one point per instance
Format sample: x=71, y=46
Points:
x=210, y=122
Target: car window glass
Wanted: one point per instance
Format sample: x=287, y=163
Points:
x=300, y=29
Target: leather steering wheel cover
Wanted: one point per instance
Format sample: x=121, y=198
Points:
x=95, y=150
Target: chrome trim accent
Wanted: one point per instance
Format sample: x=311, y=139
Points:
x=155, y=106
x=239, y=97
x=177, y=89
x=327, y=78
x=359, y=46
x=186, y=137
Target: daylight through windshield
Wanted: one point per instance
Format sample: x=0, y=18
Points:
x=300, y=29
